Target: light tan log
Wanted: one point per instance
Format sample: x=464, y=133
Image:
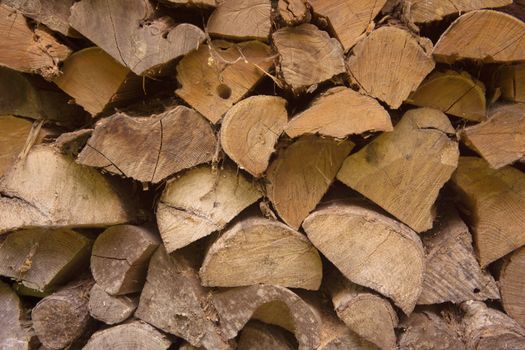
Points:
x=484, y=35
x=307, y=56
x=13, y=136
x=200, y=202
x=511, y=82
x=258, y=250
x=250, y=130
x=150, y=148
x=120, y=258
x=300, y=175
x=403, y=171
x=293, y=12
x=340, y=112
x=512, y=285
x=108, y=308
x=219, y=74
x=15, y=328
x=389, y=64
x=370, y=249
x=257, y=335
x=423, y=11
x=494, y=202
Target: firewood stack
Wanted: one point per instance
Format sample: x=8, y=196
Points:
x=256, y=174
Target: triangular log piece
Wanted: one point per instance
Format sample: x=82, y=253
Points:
x=512, y=286
x=15, y=330
x=293, y=12
x=257, y=335
x=108, y=308
x=511, y=82
x=423, y=11
x=71, y=143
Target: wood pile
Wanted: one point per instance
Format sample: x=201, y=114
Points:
x=257, y=174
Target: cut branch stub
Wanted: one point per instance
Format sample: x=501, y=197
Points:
x=370, y=249
x=483, y=35
x=250, y=130
x=512, y=285
x=422, y=11
x=390, y=63
x=511, y=82
x=257, y=250
x=257, y=335
x=403, y=171
x=131, y=34
x=108, y=308
x=151, y=148
x=15, y=331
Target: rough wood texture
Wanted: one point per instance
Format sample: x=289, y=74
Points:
x=403, y=171
x=13, y=136
x=340, y=112
x=15, y=330
x=150, y=148
x=219, y=74
x=120, y=257
x=250, y=130
x=511, y=82
x=484, y=35
x=370, y=249
x=257, y=335
x=196, y=3
x=293, y=12
x=512, y=286
x=301, y=50
x=70, y=143
x=389, y=64
x=301, y=174
x=422, y=11
x=108, y=308
x=200, y=202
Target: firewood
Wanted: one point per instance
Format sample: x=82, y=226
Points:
x=250, y=130
x=71, y=143
x=499, y=140
x=261, y=336
x=403, y=171
x=389, y=64
x=195, y=3
x=494, y=202
x=484, y=35
x=44, y=190
x=42, y=259
x=363, y=243
x=187, y=346
x=301, y=174
x=120, y=258
x=176, y=139
x=293, y=12
x=137, y=39
x=108, y=308
x=423, y=11
x=200, y=202
x=453, y=93
x=340, y=112
x=15, y=330
x=512, y=286
x=13, y=135
x=258, y=250
x=511, y=82
x=307, y=56
x=219, y=74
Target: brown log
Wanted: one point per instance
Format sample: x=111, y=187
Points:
x=71, y=143
x=512, y=286
x=423, y=11
x=261, y=336
x=511, y=82
x=403, y=171
x=15, y=330
x=13, y=136
x=194, y=3
x=108, y=308
x=120, y=258
x=293, y=12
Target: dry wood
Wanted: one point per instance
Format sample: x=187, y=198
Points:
x=293, y=12
x=511, y=82
x=512, y=286
x=390, y=63
x=108, y=308
x=219, y=74
x=422, y=11
x=370, y=249
x=257, y=335
x=15, y=330
x=195, y=3
x=150, y=148
x=120, y=258
x=71, y=143
x=403, y=171
x=13, y=135
x=340, y=112
x=301, y=174
x=200, y=202
x=485, y=35
x=250, y=130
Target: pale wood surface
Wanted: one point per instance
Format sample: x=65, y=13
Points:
x=108, y=308
x=511, y=81
x=422, y=11
x=512, y=285
x=15, y=332
x=13, y=136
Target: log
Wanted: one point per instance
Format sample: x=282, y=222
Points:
x=13, y=136
x=258, y=250
x=150, y=148
x=510, y=81
x=454, y=93
x=120, y=258
x=498, y=37
x=200, y=202
x=301, y=50
x=250, y=130
x=261, y=336
x=293, y=12
x=292, y=187
x=389, y=64
x=403, y=171
x=512, y=287
x=363, y=243
x=15, y=330
x=424, y=11
x=340, y=112
x=194, y=3
x=138, y=40
x=108, y=308
x=71, y=143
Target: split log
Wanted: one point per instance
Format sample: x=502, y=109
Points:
x=108, y=308
x=340, y=112
x=219, y=74
x=13, y=137
x=200, y=202
x=120, y=258
x=132, y=35
x=424, y=11
x=42, y=259
x=195, y=3
x=484, y=35
x=187, y=346
x=293, y=12
x=257, y=250
x=512, y=286
x=250, y=130
x=363, y=244
x=494, y=202
x=453, y=93
x=511, y=82
x=389, y=64
x=149, y=149
x=293, y=187
x=261, y=336
x=307, y=56
x=15, y=329
x=71, y=143
x=403, y=171
x=44, y=190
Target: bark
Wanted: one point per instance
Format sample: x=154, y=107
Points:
x=512, y=285
x=108, y=308
x=15, y=330
x=71, y=143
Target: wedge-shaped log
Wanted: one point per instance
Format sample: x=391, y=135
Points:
x=15, y=331
x=108, y=308
x=511, y=82
x=512, y=285
x=423, y=11
x=257, y=335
